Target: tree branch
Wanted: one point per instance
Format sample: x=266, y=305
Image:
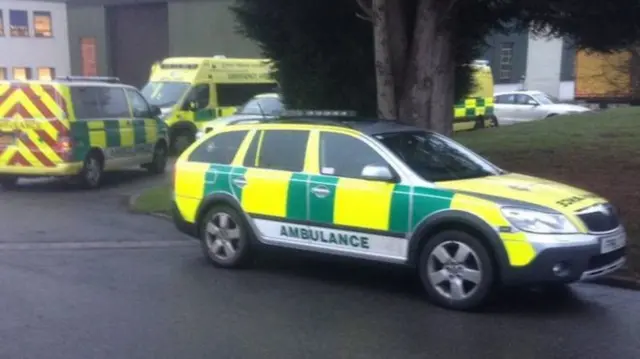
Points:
x=366, y=7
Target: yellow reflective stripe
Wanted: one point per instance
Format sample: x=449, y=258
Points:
x=242, y=150
x=360, y=203
x=97, y=134
x=266, y=192
x=125, y=128
x=189, y=187
x=312, y=158
x=519, y=250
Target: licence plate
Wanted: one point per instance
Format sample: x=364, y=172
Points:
x=612, y=243
x=6, y=139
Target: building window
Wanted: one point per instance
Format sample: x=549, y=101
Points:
x=506, y=60
x=42, y=24
x=19, y=23
x=3, y=73
x=46, y=73
x=21, y=73
x=1, y=24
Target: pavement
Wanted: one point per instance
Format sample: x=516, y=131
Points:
x=83, y=278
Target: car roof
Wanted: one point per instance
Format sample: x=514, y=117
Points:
x=520, y=92
x=369, y=126
x=267, y=95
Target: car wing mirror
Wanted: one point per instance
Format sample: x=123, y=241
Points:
x=378, y=173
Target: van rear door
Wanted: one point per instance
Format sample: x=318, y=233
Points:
x=33, y=125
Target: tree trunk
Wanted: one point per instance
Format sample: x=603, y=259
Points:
x=427, y=96
x=385, y=81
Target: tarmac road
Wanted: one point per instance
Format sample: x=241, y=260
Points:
x=81, y=278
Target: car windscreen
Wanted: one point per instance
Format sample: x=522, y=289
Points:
x=164, y=94
x=437, y=158
x=268, y=106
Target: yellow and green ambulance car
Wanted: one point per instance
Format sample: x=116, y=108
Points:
x=193, y=90
x=378, y=190
x=77, y=127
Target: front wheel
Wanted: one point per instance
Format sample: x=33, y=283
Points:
x=92, y=171
x=456, y=270
x=159, y=162
x=181, y=139
x=225, y=237
x=493, y=121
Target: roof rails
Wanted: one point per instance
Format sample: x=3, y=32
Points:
x=89, y=78
x=318, y=113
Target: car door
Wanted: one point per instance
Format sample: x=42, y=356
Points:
x=528, y=108
x=274, y=185
x=118, y=126
x=505, y=107
x=144, y=126
x=352, y=213
x=197, y=105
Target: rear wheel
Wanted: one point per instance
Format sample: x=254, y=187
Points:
x=456, y=270
x=225, y=237
x=8, y=182
x=92, y=171
x=493, y=121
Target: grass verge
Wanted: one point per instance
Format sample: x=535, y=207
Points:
x=599, y=152
x=153, y=200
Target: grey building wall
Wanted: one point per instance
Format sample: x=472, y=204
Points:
x=88, y=21
x=196, y=28
x=35, y=52
x=199, y=28
x=494, y=54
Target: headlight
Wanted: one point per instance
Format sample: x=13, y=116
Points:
x=538, y=222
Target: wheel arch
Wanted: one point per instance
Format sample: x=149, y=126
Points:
x=220, y=199
x=460, y=221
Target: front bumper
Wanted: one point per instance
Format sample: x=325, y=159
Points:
x=565, y=263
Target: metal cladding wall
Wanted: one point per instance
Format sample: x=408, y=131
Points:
x=131, y=34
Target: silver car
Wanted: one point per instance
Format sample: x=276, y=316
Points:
x=520, y=106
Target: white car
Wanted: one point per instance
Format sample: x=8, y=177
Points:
x=519, y=106
x=260, y=107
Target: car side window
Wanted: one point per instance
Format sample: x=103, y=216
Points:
x=523, y=99
x=200, y=95
x=139, y=105
x=505, y=99
x=346, y=156
x=282, y=150
x=114, y=102
x=219, y=149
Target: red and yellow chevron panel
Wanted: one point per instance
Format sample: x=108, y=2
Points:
x=33, y=124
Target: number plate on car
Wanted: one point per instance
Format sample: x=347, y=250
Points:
x=612, y=243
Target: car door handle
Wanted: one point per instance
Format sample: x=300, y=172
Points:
x=240, y=182
x=320, y=191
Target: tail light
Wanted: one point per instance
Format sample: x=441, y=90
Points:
x=63, y=147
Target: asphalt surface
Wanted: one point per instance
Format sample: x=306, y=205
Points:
x=82, y=278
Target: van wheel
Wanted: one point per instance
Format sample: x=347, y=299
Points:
x=225, y=237
x=456, y=270
x=9, y=182
x=493, y=121
x=181, y=139
x=92, y=171
x=479, y=123
x=159, y=162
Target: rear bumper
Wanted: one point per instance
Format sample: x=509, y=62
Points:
x=190, y=229
x=60, y=170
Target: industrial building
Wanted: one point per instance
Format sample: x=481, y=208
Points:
x=34, y=43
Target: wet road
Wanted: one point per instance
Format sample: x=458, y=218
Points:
x=82, y=278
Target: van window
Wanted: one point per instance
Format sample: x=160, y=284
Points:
x=232, y=95
x=95, y=102
x=199, y=94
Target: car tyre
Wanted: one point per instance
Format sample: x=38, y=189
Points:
x=493, y=122
x=181, y=140
x=92, y=171
x=158, y=164
x=8, y=182
x=225, y=237
x=456, y=270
